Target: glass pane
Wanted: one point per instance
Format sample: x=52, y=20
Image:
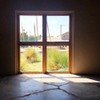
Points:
x=30, y=28
x=57, y=58
x=57, y=28
x=30, y=59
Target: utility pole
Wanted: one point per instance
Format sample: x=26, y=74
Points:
x=37, y=26
x=61, y=31
x=48, y=32
x=34, y=32
x=23, y=31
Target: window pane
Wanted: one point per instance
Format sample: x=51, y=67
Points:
x=57, y=28
x=30, y=59
x=30, y=28
x=57, y=58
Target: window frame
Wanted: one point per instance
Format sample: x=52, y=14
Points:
x=44, y=43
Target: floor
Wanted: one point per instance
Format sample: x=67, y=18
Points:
x=49, y=87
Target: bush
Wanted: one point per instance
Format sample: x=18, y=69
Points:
x=31, y=55
x=56, y=60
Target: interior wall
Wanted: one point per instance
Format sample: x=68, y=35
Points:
x=86, y=32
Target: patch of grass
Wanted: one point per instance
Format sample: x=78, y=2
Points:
x=32, y=67
x=30, y=61
x=57, y=60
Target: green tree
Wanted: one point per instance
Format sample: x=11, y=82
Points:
x=23, y=36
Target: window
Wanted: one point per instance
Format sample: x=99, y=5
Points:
x=44, y=42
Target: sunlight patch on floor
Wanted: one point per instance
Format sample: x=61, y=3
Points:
x=61, y=78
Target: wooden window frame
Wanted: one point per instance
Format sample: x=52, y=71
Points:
x=44, y=43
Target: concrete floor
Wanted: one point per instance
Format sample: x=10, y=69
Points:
x=49, y=87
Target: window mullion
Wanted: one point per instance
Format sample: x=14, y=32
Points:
x=44, y=44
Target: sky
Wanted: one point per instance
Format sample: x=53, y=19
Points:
x=56, y=24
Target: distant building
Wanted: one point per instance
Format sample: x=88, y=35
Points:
x=65, y=36
x=62, y=37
